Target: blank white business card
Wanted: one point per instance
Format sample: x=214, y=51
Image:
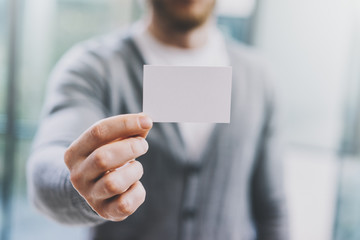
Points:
x=187, y=93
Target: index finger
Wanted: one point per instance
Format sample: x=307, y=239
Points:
x=111, y=129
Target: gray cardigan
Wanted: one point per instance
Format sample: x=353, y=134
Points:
x=234, y=192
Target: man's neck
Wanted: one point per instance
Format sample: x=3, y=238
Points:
x=183, y=39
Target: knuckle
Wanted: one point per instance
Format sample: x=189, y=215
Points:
x=133, y=148
x=101, y=159
x=137, y=147
x=98, y=131
x=127, y=123
x=110, y=186
x=124, y=206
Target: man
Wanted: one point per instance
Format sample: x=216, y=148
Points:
x=202, y=181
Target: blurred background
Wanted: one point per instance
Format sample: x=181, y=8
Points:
x=314, y=49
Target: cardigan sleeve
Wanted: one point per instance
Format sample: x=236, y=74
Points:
x=76, y=98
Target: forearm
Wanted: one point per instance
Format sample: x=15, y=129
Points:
x=51, y=191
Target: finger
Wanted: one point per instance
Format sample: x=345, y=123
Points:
x=122, y=206
x=112, y=156
x=118, y=181
x=106, y=131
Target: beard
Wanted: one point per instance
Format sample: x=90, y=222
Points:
x=183, y=15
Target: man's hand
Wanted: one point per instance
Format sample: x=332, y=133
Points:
x=103, y=168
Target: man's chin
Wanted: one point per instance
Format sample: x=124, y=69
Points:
x=187, y=22
x=184, y=15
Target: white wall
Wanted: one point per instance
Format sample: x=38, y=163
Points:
x=307, y=41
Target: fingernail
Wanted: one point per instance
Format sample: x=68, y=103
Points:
x=145, y=122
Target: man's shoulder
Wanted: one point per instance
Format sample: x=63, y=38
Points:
x=245, y=55
x=105, y=44
x=100, y=50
